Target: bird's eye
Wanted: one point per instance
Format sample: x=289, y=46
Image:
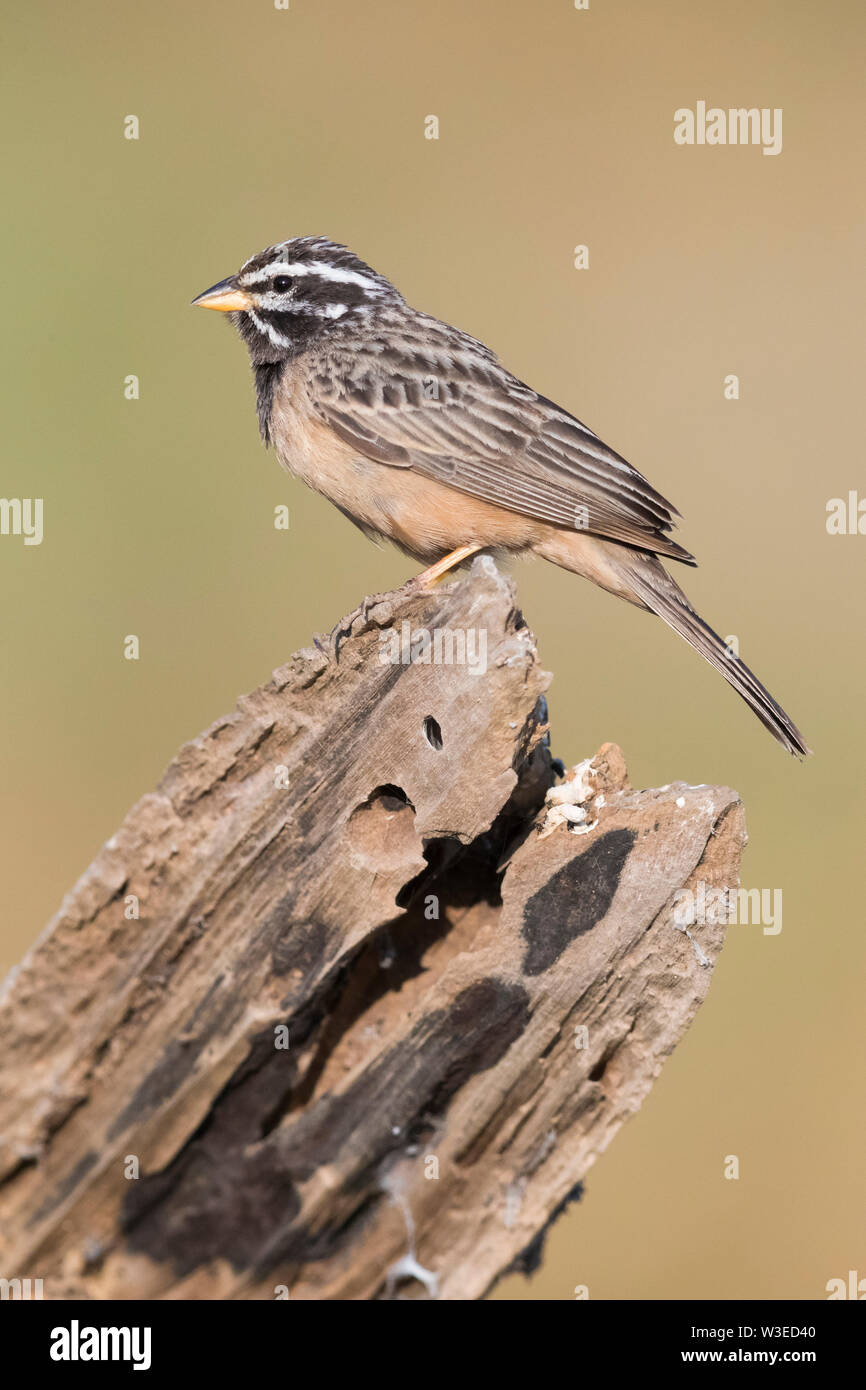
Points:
x=282, y=283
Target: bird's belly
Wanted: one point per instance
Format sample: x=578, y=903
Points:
x=426, y=518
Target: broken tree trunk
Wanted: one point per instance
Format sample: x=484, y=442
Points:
x=350, y=1004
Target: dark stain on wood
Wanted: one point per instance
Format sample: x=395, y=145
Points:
x=233, y=1195
x=576, y=898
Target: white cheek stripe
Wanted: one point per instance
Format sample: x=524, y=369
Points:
x=268, y=330
x=301, y=306
x=325, y=272
x=281, y=304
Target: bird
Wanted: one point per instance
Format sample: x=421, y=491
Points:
x=419, y=435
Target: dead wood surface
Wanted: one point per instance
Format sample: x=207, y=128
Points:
x=395, y=899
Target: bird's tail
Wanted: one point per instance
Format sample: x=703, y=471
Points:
x=656, y=590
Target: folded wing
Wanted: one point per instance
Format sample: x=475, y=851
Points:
x=456, y=416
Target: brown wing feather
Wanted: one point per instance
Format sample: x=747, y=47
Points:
x=455, y=415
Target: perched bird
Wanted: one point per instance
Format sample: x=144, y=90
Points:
x=417, y=433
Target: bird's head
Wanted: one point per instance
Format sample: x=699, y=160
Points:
x=285, y=297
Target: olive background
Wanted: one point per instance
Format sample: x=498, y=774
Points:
x=556, y=129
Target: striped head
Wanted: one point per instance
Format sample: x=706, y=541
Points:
x=285, y=297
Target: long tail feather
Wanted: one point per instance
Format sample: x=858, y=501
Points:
x=660, y=593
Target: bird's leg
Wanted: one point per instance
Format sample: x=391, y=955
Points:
x=427, y=578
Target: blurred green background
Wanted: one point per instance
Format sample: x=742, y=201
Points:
x=556, y=128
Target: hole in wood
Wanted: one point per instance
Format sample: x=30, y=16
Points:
x=381, y=831
x=432, y=732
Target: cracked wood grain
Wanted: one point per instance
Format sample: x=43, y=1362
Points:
x=384, y=1002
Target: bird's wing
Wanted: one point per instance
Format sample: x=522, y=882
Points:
x=468, y=423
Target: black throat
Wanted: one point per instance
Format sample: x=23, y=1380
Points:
x=267, y=379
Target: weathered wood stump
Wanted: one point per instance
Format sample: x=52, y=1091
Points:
x=351, y=1003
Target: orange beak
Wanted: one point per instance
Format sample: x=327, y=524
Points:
x=224, y=296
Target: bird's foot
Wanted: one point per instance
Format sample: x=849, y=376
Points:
x=365, y=616
x=356, y=622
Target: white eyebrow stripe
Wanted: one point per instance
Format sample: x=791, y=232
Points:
x=325, y=272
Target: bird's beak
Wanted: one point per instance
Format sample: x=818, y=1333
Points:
x=225, y=296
